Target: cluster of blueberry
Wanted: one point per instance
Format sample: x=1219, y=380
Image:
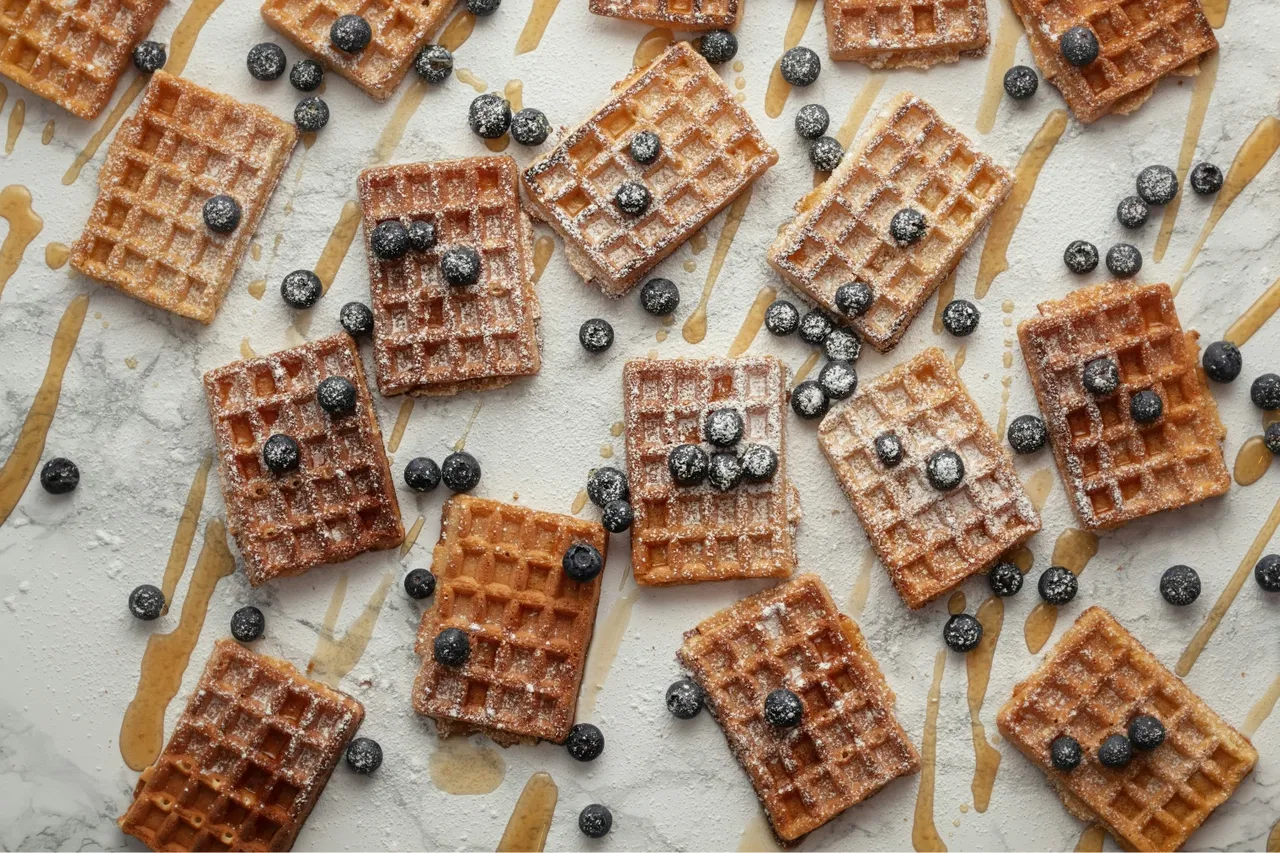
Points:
x=841, y=345
x=392, y=239
x=1223, y=362
x=490, y=117
x=1145, y=732
x=1057, y=585
x=267, y=62
x=782, y=707
x=690, y=465
x=607, y=488
x=658, y=296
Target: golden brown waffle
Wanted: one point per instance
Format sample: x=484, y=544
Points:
x=1093, y=683
x=430, y=337
x=72, y=52
x=340, y=501
x=848, y=745
x=247, y=760
x=929, y=540
x=897, y=33
x=711, y=151
x=146, y=234
x=1139, y=42
x=400, y=28
x=909, y=157
x=499, y=579
x=692, y=15
x=1114, y=469
x=687, y=534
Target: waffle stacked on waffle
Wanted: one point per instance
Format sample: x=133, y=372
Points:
x=930, y=540
x=1094, y=682
x=693, y=15
x=896, y=33
x=909, y=157
x=248, y=758
x=431, y=337
x=687, y=534
x=400, y=28
x=848, y=744
x=499, y=579
x=711, y=151
x=1115, y=469
x=72, y=52
x=1139, y=42
x=339, y=501
x=146, y=234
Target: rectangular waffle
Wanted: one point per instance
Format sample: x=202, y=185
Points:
x=146, y=234
x=909, y=157
x=1114, y=469
x=400, y=29
x=340, y=501
x=691, y=15
x=897, y=33
x=848, y=745
x=499, y=579
x=1097, y=679
x=1140, y=41
x=711, y=152
x=928, y=539
x=247, y=760
x=72, y=52
x=433, y=338
x=687, y=534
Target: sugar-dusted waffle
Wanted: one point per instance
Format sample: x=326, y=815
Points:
x=73, y=52
x=692, y=15
x=431, y=337
x=1091, y=686
x=910, y=158
x=1115, y=469
x=711, y=151
x=500, y=579
x=146, y=234
x=400, y=29
x=340, y=500
x=930, y=539
x=247, y=760
x=686, y=534
x=848, y=744
x=897, y=33
x=1140, y=41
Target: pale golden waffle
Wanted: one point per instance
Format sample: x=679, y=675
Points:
x=929, y=540
x=499, y=579
x=400, y=29
x=432, y=338
x=711, y=152
x=688, y=534
x=1114, y=469
x=72, y=52
x=247, y=760
x=146, y=234
x=909, y=157
x=1093, y=683
x=340, y=501
x=691, y=15
x=1139, y=42
x=848, y=745
x=898, y=33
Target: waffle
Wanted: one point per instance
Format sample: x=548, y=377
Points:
x=1092, y=684
x=248, y=758
x=910, y=157
x=400, y=29
x=687, y=534
x=848, y=744
x=690, y=15
x=1139, y=41
x=72, y=52
x=711, y=151
x=146, y=234
x=897, y=33
x=340, y=501
x=1114, y=469
x=928, y=539
x=499, y=578
x=432, y=338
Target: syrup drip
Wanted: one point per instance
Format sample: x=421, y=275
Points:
x=956, y=603
x=336, y=247
x=579, y=501
x=946, y=293
x=334, y=658
x=46, y=135
x=752, y=323
x=978, y=667
x=475, y=83
x=1073, y=550
x=1007, y=34
x=862, y=585
x=1038, y=485
x=924, y=834
x=1091, y=839
x=961, y=354
x=535, y=25
x=606, y=451
x=394, y=129
x=24, y=225
x=1252, y=461
x=695, y=328
x=651, y=46
x=775, y=96
x=402, y=421
x=56, y=255
x=1256, y=314
x=1006, y=382
x=758, y=836
x=604, y=649
x=1261, y=709
x=246, y=351
x=257, y=289
x=698, y=242
x=527, y=829
x=461, y=443
x=543, y=247
x=463, y=768
x=803, y=370
x=616, y=429
x=411, y=538
x=1021, y=557
x=4, y=95
x=1201, y=91
x=16, y=119
x=1215, y=12
x=185, y=534
x=457, y=31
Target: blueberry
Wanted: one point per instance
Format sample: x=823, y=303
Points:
x=723, y=427
x=809, y=401
x=146, y=602
x=1157, y=184
x=687, y=464
x=632, y=198
x=826, y=153
x=460, y=266
x=530, y=127
x=1180, y=585
x=814, y=327
x=247, y=624
x=659, y=297
x=452, y=647
x=1005, y=579
x=420, y=584
x=1206, y=179
x=149, y=56
x=1101, y=377
x=1115, y=751
x=759, y=463
x=595, y=821
x=306, y=75
x=888, y=449
x=838, y=380
x=783, y=709
x=945, y=469
x=1079, y=46
x=301, y=289
x=595, y=335
x=336, y=395
x=357, y=319
x=1081, y=257
x=1065, y=752
x=800, y=66
x=685, y=699
x=1222, y=361
x=364, y=755
x=607, y=484
x=1027, y=434
x=434, y=64
x=582, y=562
x=1265, y=392
x=422, y=474
x=960, y=317
x=854, y=298
x=907, y=226
x=311, y=114
x=281, y=454
x=1146, y=406
x=460, y=471
x=645, y=147
x=781, y=318
x=962, y=633
x=1020, y=82
x=350, y=33
x=724, y=471
x=1058, y=585
x=389, y=240
x=483, y=8
x=585, y=742
x=422, y=235
x=222, y=214
x=718, y=46
x=59, y=476
x=1267, y=573
x=1124, y=260
x=812, y=121
x=1132, y=212
x=1146, y=732
x=489, y=116
x=266, y=61
x=617, y=516
x=1271, y=437
x=842, y=345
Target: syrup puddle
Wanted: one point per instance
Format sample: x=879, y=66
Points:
x=978, y=667
x=543, y=248
x=16, y=119
x=804, y=369
x=695, y=328
x=1007, y=34
x=862, y=585
x=461, y=443
x=1261, y=709
x=334, y=658
x=651, y=46
x=758, y=836
x=775, y=96
x=1215, y=11
x=530, y=822
x=339, y=243
x=411, y=538
x=1252, y=461
x=924, y=834
x=402, y=421
x=185, y=534
x=24, y=225
x=1091, y=839
x=579, y=501
x=604, y=649
x=752, y=323
x=464, y=769
x=535, y=25
x=1038, y=485
x=1258, y=313
x=167, y=655
x=1201, y=91
x=1073, y=550
x=56, y=255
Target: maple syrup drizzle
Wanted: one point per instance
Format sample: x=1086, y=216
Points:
x=924, y=834
x=4, y=95
x=543, y=248
x=1255, y=315
x=606, y=451
x=255, y=250
x=535, y=25
x=946, y=293
x=853, y=119
x=651, y=46
x=1038, y=485
x=1006, y=382
x=695, y=328
x=100, y=135
x=775, y=96
x=804, y=369
x=752, y=322
x=25, y=456
x=246, y=351
x=1073, y=550
x=1215, y=12
x=185, y=534
x=46, y=135
x=530, y=822
x=56, y=255
x=514, y=93
x=167, y=655
x=986, y=758
x=1252, y=461
x=579, y=501
x=1201, y=91
x=604, y=649
x=1007, y=34
x=1091, y=839
x=1261, y=709
x=411, y=538
x=339, y=243
x=395, y=127
x=758, y=836
x=258, y=288
x=16, y=119
x=334, y=658
x=1006, y=218
x=463, y=768
x=402, y=421
x=862, y=585
x=474, y=82
x=24, y=225
x=616, y=429
x=461, y=443
x=961, y=355
x=956, y=603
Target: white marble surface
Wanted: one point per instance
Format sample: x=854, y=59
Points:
x=72, y=651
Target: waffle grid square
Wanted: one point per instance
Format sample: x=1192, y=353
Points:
x=896, y=33
x=691, y=15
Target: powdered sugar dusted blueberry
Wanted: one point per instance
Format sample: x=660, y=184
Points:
x=632, y=198
x=1157, y=184
x=301, y=289
x=336, y=395
x=1005, y=579
x=1081, y=257
x=1146, y=732
x=433, y=63
x=1057, y=585
x=582, y=562
x=357, y=319
x=685, y=699
x=1265, y=392
x=1115, y=751
x=420, y=584
x=483, y=8
x=759, y=463
x=888, y=449
x=617, y=516
x=1101, y=377
x=221, y=214
x=854, y=298
x=1222, y=361
x=280, y=453
x=530, y=127
x=960, y=317
x=1020, y=82
x=1132, y=212
x=489, y=116
x=59, y=476
x=452, y=647
x=1271, y=437
x=460, y=471
x=1065, y=753
x=146, y=602
x=311, y=114
x=607, y=484
x=815, y=326
x=1206, y=179
x=1146, y=406
x=812, y=121
x=1267, y=573
x=350, y=33
x=1079, y=46
x=783, y=709
x=800, y=66
x=306, y=75
x=1027, y=434
x=809, y=401
x=842, y=344
x=595, y=821
x=149, y=56
x=422, y=474
x=718, y=46
x=688, y=464
x=266, y=61
x=460, y=265
x=659, y=297
x=422, y=235
x=908, y=226
x=723, y=427
x=595, y=335
x=724, y=471
x=389, y=240
x=248, y=624
x=962, y=633
x=838, y=380
x=1180, y=585
x=585, y=742
x=826, y=153
x=781, y=318
x=645, y=147
x=945, y=469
